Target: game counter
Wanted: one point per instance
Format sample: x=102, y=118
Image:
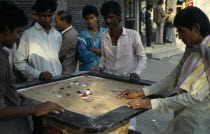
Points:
x=89, y=100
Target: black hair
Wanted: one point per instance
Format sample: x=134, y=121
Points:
x=111, y=6
x=11, y=16
x=170, y=9
x=190, y=16
x=65, y=15
x=45, y=5
x=89, y=9
x=160, y=2
x=33, y=7
x=149, y=6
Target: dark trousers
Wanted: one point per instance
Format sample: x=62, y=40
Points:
x=149, y=33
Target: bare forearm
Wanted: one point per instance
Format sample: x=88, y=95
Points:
x=95, y=50
x=16, y=112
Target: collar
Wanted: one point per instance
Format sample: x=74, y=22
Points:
x=39, y=27
x=86, y=32
x=124, y=33
x=4, y=53
x=66, y=29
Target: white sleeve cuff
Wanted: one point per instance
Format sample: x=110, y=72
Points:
x=155, y=104
x=146, y=91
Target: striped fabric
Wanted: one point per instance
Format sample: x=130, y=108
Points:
x=193, y=73
x=170, y=17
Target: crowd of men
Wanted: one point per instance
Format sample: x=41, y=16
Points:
x=44, y=52
x=164, y=23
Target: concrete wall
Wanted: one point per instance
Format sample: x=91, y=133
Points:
x=62, y=5
x=203, y=5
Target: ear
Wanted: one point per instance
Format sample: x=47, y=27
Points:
x=196, y=28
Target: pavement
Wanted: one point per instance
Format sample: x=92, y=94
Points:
x=153, y=122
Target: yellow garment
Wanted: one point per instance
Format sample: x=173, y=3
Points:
x=193, y=74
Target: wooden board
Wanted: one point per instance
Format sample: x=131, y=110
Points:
x=102, y=100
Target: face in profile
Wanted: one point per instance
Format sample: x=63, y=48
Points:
x=188, y=37
x=58, y=22
x=10, y=37
x=91, y=20
x=45, y=18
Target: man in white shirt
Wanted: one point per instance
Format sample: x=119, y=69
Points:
x=37, y=55
x=122, y=49
x=68, y=52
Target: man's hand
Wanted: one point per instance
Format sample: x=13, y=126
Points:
x=47, y=107
x=140, y=103
x=95, y=50
x=45, y=75
x=96, y=69
x=134, y=76
x=22, y=97
x=130, y=94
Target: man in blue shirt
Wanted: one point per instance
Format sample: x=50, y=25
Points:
x=89, y=40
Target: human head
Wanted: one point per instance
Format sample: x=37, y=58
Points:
x=34, y=14
x=62, y=20
x=90, y=15
x=149, y=7
x=191, y=23
x=45, y=10
x=170, y=10
x=160, y=2
x=111, y=11
x=111, y=7
x=12, y=19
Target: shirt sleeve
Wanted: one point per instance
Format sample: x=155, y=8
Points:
x=84, y=55
x=168, y=83
x=180, y=101
x=141, y=55
x=101, y=63
x=22, y=56
x=163, y=13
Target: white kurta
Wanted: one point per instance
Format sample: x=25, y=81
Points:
x=192, y=112
x=38, y=52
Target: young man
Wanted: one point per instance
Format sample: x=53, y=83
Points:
x=89, y=40
x=190, y=79
x=68, y=51
x=37, y=55
x=122, y=50
x=148, y=24
x=159, y=19
x=13, y=116
x=170, y=35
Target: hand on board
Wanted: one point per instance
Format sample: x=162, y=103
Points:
x=140, y=103
x=134, y=76
x=45, y=75
x=130, y=94
x=47, y=107
x=96, y=69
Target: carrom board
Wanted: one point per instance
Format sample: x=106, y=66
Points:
x=89, y=100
